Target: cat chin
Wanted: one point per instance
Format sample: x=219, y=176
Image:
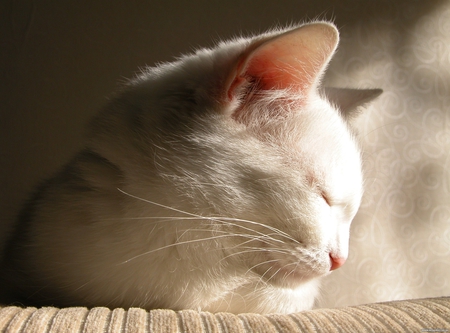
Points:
x=287, y=277
x=293, y=280
x=292, y=269
x=257, y=296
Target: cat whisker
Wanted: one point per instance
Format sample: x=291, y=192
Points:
x=262, y=263
x=183, y=291
x=273, y=275
x=261, y=278
x=224, y=233
x=277, y=231
x=242, y=227
x=159, y=218
x=249, y=249
x=292, y=270
x=253, y=250
x=177, y=243
x=173, y=245
x=220, y=219
x=251, y=237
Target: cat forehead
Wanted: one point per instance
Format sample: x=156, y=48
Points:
x=320, y=142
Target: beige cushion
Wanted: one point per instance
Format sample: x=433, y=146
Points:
x=421, y=315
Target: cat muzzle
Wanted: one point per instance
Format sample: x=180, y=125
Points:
x=336, y=262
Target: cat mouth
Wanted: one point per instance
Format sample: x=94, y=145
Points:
x=294, y=272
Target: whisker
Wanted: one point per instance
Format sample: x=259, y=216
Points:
x=263, y=238
x=262, y=263
x=220, y=219
x=261, y=278
x=292, y=270
x=253, y=250
x=173, y=245
x=225, y=234
x=274, y=274
x=277, y=232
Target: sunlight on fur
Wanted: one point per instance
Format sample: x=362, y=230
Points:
x=224, y=181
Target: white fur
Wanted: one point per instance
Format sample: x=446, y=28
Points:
x=196, y=210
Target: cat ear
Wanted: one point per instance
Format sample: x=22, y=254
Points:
x=349, y=100
x=295, y=59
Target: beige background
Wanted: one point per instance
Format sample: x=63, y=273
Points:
x=59, y=62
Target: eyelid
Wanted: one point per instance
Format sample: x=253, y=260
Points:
x=326, y=198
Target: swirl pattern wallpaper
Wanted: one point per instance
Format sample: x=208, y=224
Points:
x=400, y=240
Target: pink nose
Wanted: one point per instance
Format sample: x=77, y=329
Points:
x=336, y=262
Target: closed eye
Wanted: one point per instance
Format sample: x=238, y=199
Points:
x=326, y=198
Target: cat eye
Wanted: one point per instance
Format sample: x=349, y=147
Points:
x=326, y=198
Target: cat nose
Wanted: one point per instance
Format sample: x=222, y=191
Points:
x=336, y=262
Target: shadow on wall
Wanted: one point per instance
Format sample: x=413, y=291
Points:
x=58, y=61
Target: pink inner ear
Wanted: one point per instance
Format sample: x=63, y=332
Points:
x=274, y=67
x=295, y=59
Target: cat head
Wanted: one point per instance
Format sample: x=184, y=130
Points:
x=244, y=142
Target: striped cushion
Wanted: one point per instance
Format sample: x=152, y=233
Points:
x=421, y=315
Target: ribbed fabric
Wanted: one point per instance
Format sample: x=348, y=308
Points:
x=422, y=315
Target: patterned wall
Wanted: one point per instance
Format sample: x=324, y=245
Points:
x=400, y=242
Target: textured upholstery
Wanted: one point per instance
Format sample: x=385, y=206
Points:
x=424, y=315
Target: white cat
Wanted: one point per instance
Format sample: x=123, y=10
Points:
x=224, y=181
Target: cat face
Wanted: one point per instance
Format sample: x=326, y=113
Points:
x=243, y=138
